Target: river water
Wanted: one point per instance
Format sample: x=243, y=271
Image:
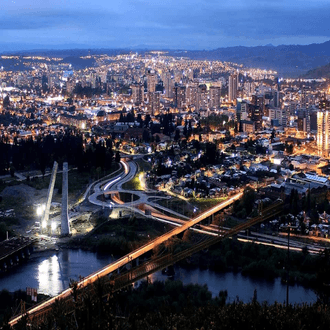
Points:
x=50, y=274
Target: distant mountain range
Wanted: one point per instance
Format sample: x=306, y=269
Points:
x=319, y=72
x=287, y=60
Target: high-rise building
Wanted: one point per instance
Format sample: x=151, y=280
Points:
x=168, y=83
x=154, y=102
x=137, y=94
x=249, y=88
x=214, y=97
x=304, y=121
x=276, y=99
x=179, y=97
x=191, y=95
x=232, y=87
x=202, y=97
x=323, y=127
x=151, y=81
x=178, y=76
x=70, y=85
x=279, y=115
x=259, y=101
x=257, y=118
x=244, y=111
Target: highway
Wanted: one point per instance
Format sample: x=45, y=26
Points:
x=105, y=186
x=113, y=186
x=131, y=256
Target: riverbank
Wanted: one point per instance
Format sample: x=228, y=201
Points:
x=257, y=261
x=249, y=259
x=173, y=305
x=119, y=237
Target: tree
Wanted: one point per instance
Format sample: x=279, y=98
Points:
x=177, y=135
x=145, y=136
x=323, y=284
x=99, y=171
x=314, y=216
x=12, y=171
x=147, y=120
x=6, y=101
x=117, y=157
x=273, y=134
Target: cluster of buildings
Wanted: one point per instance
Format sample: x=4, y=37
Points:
x=51, y=92
x=128, y=97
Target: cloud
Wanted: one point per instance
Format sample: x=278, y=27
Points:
x=176, y=23
x=50, y=18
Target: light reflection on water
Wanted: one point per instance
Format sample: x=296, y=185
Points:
x=49, y=276
x=52, y=274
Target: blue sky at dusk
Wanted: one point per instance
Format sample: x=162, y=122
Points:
x=194, y=24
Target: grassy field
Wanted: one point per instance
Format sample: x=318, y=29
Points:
x=230, y=222
x=118, y=237
x=204, y=204
x=78, y=181
x=178, y=205
x=135, y=183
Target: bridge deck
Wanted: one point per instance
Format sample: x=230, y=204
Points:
x=155, y=265
x=13, y=245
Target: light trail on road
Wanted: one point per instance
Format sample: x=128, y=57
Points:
x=126, y=168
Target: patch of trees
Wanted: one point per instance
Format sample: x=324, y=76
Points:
x=6, y=101
x=211, y=154
x=219, y=122
x=41, y=153
x=243, y=207
x=171, y=305
x=87, y=91
x=261, y=261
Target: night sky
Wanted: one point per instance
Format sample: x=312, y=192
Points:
x=193, y=24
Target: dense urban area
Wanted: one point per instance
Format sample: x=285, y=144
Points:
x=154, y=143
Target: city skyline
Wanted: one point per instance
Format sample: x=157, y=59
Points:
x=192, y=24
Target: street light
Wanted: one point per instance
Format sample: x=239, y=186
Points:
x=40, y=209
x=53, y=226
x=40, y=212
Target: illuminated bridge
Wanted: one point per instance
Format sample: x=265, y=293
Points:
x=39, y=312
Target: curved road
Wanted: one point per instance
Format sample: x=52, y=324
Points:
x=115, y=185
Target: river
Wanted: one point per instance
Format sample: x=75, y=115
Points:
x=50, y=274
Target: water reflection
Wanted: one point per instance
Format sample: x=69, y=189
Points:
x=52, y=274
x=239, y=286
x=49, y=276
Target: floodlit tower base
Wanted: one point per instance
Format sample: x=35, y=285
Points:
x=45, y=220
x=65, y=227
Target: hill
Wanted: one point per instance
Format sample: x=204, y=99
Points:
x=319, y=72
x=287, y=60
